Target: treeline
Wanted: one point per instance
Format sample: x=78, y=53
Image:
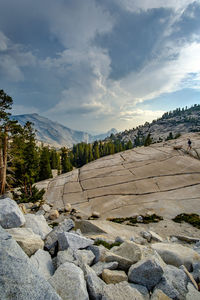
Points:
x=83, y=153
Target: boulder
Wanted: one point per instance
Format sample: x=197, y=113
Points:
x=142, y=289
x=38, y=224
x=19, y=279
x=159, y=295
x=113, y=276
x=27, y=239
x=10, y=214
x=129, y=250
x=51, y=240
x=69, y=282
x=98, y=251
x=65, y=256
x=43, y=263
x=147, y=272
x=123, y=263
x=94, y=284
x=173, y=283
x=177, y=255
x=100, y=266
x=192, y=294
x=121, y=291
x=85, y=256
x=72, y=240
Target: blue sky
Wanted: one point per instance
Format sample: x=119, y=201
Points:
x=97, y=64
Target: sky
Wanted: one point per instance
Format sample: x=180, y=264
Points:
x=97, y=64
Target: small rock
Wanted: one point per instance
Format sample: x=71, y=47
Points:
x=74, y=241
x=27, y=239
x=95, y=214
x=110, y=276
x=147, y=272
x=119, y=239
x=43, y=263
x=68, y=207
x=54, y=214
x=187, y=239
x=22, y=207
x=139, y=219
x=69, y=282
x=173, y=239
x=38, y=224
x=146, y=235
x=46, y=207
x=10, y=214
x=100, y=266
x=155, y=236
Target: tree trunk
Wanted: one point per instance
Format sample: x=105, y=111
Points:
x=5, y=157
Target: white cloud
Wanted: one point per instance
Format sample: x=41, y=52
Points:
x=137, y=5
x=13, y=57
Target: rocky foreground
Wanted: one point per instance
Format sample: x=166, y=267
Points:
x=41, y=262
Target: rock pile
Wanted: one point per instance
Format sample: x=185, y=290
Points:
x=38, y=262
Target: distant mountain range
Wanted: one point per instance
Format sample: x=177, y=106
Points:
x=171, y=124
x=58, y=135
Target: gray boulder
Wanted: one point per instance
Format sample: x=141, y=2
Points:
x=129, y=250
x=142, y=289
x=94, y=284
x=10, y=214
x=38, y=224
x=85, y=256
x=192, y=294
x=19, y=280
x=97, y=251
x=69, y=282
x=43, y=263
x=121, y=291
x=173, y=283
x=147, y=272
x=51, y=240
x=65, y=256
x=100, y=266
x=72, y=240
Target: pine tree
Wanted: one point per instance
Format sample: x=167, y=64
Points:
x=65, y=161
x=45, y=168
x=96, y=150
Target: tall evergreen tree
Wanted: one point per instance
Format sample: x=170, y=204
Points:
x=45, y=168
x=65, y=161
